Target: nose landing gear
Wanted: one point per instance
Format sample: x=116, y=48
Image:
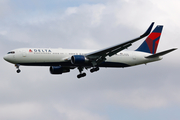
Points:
x=17, y=66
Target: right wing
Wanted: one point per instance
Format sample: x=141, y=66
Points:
x=98, y=57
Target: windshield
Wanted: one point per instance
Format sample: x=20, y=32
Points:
x=12, y=52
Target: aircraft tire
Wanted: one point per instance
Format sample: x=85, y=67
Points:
x=94, y=69
x=81, y=75
x=18, y=71
x=84, y=74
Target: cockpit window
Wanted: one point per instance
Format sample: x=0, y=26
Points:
x=12, y=52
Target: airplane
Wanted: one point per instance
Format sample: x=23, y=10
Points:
x=63, y=60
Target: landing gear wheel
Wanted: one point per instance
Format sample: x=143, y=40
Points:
x=94, y=69
x=81, y=75
x=18, y=71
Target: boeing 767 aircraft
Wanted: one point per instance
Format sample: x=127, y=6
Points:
x=63, y=60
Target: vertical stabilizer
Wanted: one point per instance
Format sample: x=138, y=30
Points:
x=151, y=43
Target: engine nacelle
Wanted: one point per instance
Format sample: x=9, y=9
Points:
x=78, y=59
x=58, y=70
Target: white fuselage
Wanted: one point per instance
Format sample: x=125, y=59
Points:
x=55, y=57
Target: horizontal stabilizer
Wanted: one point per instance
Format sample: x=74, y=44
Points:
x=161, y=53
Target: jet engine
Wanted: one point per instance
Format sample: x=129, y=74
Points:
x=58, y=69
x=78, y=59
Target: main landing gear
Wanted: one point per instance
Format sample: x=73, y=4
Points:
x=17, y=66
x=84, y=74
x=94, y=69
x=81, y=74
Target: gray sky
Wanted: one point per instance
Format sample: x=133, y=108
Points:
x=142, y=92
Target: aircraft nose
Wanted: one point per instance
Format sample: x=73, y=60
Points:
x=7, y=58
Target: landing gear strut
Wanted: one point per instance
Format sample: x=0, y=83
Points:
x=17, y=66
x=81, y=74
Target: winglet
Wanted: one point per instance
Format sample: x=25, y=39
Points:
x=148, y=31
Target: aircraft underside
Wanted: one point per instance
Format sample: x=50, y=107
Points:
x=63, y=67
x=67, y=64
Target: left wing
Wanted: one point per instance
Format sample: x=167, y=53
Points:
x=98, y=57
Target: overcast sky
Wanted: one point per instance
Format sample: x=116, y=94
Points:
x=142, y=92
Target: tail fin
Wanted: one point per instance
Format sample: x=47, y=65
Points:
x=151, y=43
